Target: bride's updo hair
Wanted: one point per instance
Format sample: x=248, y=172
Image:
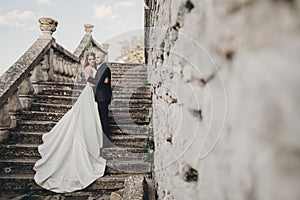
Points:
x=86, y=62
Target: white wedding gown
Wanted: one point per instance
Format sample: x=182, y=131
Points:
x=71, y=150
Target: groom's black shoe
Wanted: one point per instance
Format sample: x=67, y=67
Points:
x=106, y=171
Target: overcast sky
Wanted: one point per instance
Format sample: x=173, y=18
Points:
x=114, y=21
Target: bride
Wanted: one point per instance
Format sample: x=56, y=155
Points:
x=71, y=150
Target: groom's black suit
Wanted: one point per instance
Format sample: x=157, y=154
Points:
x=103, y=94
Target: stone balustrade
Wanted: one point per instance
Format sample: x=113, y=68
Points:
x=44, y=61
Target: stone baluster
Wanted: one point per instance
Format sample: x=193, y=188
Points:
x=55, y=67
x=14, y=107
x=60, y=65
x=45, y=66
x=79, y=77
x=66, y=75
x=51, y=65
x=70, y=72
x=37, y=74
x=40, y=74
x=63, y=74
x=25, y=91
x=5, y=121
x=65, y=69
x=74, y=71
x=60, y=68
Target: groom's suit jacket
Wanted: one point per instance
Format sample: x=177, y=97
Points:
x=102, y=90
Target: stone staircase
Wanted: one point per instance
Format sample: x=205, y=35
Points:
x=130, y=154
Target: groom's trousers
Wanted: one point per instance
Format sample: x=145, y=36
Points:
x=103, y=112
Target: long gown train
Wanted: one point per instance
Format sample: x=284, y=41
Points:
x=71, y=150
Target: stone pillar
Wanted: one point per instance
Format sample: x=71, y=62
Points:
x=48, y=27
x=37, y=74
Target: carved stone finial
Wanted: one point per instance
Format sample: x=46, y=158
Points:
x=88, y=28
x=48, y=26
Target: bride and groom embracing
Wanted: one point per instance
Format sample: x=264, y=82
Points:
x=70, y=153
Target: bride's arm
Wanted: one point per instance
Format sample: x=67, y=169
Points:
x=88, y=73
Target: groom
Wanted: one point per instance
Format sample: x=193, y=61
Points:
x=102, y=91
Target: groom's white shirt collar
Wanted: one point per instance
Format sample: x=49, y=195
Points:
x=99, y=65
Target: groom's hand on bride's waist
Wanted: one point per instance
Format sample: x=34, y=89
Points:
x=106, y=80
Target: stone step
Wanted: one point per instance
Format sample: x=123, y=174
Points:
x=34, y=126
x=131, y=129
x=67, y=100
x=26, y=151
x=140, y=72
x=79, y=195
x=134, y=141
x=145, y=85
x=25, y=184
x=114, y=117
x=128, y=71
x=120, y=65
x=55, y=99
x=62, y=85
x=61, y=108
x=136, y=103
x=67, y=91
x=126, y=66
x=25, y=166
x=45, y=126
x=115, y=110
x=131, y=95
x=127, y=84
x=73, y=86
x=129, y=76
x=45, y=107
x=116, y=95
x=143, y=76
x=130, y=91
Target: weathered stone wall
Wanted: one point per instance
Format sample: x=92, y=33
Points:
x=226, y=78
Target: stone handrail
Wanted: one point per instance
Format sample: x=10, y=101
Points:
x=44, y=61
x=14, y=76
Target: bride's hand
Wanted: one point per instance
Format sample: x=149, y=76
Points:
x=92, y=85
